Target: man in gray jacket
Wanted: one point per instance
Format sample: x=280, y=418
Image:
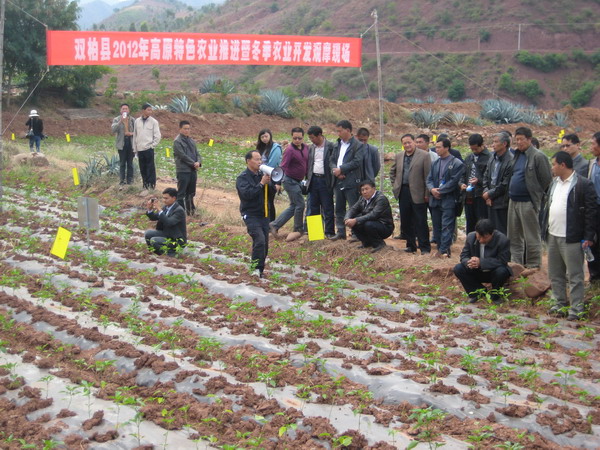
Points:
x=496, y=180
x=187, y=163
x=122, y=127
x=146, y=136
x=530, y=179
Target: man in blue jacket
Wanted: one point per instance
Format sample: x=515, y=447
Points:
x=442, y=184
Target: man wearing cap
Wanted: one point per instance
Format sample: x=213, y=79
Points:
x=122, y=128
x=146, y=136
x=36, y=130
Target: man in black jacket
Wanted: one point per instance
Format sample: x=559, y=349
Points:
x=254, y=208
x=471, y=184
x=496, y=181
x=484, y=259
x=170, y=233
x=570, y=227
x=370, y=218
x=187, y=163
x=346, y=164
x=319, y=179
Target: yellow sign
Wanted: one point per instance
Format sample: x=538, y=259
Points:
x=210, y=143
x=561, y=134
x=68, y=137
x=12, y=136
x=434, y=138
x=59, y=248
x=75, y=176
x=316, y=231
x=168, y=151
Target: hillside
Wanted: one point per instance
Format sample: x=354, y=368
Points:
x=468, y=48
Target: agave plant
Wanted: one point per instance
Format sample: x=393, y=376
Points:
x=158, y=107
x=532, y=116
x=427, y=118
x=111, y=164
x=560, y=119
x=456, y=118
x=501, y=111
x=180, y=105
x=217, y=85
x=274, y=103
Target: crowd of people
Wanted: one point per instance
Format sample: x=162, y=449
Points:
x=513, y=197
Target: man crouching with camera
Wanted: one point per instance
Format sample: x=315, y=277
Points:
x=170, y=234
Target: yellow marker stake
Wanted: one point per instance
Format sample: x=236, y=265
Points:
x=562, y=133
x=68, y=137
x=316, y=231
x=75, y=176
x=434, y=138
x=168, y=151
x=12, y=137
x=210, y=143
x=59, y=248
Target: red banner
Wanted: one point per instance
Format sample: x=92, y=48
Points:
x=78, y=48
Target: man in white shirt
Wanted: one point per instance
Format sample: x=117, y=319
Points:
x=146, y=136
x=569, y=223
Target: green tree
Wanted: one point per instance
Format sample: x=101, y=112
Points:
x=583, y=95
x=25, y=49
x=456, y=91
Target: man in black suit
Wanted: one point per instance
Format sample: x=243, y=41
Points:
x=346, y=164
x=484, y=259
x=319, y=179
x=370, y=218
x=170, y=233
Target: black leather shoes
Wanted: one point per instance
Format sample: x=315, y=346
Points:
x=337, y=237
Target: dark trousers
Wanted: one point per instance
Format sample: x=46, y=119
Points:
x=186, y=190
x=372, y=233
x=258, y=229
x=594, y=266
x=343, y=196
x=413, y=221
x=126, y=162
x=160, y=244
x=35, y=140
x=475, y=209
x=320, y=201
x=147, y=168
x=499, y=218
x=271, y=202
x=444, y=221
x=471, y=279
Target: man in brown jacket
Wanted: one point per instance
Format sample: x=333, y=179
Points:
x=408, y=176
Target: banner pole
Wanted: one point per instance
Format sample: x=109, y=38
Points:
x=380, y=85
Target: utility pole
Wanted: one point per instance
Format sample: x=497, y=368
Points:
x=2, y=11
x=519, y=38
x=380, y=85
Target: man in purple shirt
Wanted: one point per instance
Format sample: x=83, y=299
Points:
x=294, y=165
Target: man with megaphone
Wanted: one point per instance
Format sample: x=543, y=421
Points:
x=251, y=186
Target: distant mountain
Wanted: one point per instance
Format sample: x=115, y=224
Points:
x=95, y=11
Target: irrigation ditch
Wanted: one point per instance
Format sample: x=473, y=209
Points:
x=118, y=348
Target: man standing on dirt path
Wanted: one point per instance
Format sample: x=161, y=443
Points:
x=442, y=184
x=409, y=177
x=146, y=136
x=496, y=181
x=122, y=128
x=569, y=229
x=594, y=176
x=530, y=179
x=346, y=165
x=254, y=208
x=484, y=259
x=187, y=163
x=171, y=233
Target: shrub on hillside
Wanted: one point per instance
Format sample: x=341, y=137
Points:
x=456, y=91
x=217, y=85
x=583, y=95
x=544, y=62
x=427, y=118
